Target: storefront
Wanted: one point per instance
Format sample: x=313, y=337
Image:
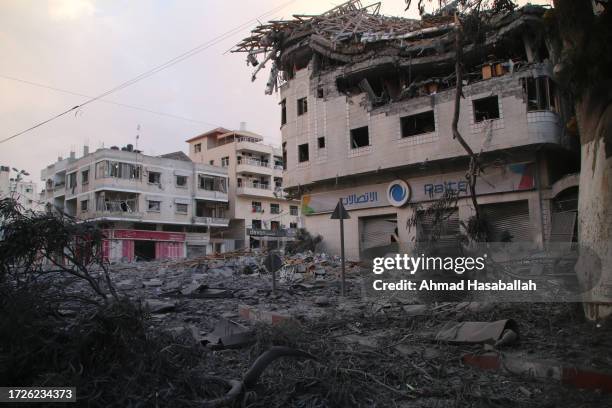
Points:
x=131, y=245
x=380, y=212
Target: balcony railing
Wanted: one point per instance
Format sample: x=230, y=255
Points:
x=212, y=221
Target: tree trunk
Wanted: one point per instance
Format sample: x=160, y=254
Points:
x=594, y=116
x=584, y=66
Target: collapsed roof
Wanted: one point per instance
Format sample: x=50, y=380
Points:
x=351, y=33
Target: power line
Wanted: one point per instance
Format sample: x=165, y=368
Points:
x=106, y=101
x=167, y=64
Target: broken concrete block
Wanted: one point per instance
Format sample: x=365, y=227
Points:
x=224, y=272
x=321, y=301
x=158, y=306
x=152, y=283
x=229, y=334
x=415, y=310
x=475, y=332
x=257, y=315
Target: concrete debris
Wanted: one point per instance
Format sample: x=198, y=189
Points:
x=322, y=301
x=229, y=334
x=152, y=283
x=415, y=310
x=478, y=332
x=158, y=306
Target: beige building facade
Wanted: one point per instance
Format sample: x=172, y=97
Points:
x=152, y=207
x=366, y=118
x=261, y=215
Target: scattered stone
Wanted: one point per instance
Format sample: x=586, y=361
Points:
x=415, y=310
x=158, y=306
x=152, y=283
x=321, y=301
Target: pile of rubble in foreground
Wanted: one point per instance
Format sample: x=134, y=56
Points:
x=370, y=353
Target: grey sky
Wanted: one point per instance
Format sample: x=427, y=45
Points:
x=89, y=46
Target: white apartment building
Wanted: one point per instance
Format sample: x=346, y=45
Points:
x=24, y=192
x=152, y=207
x=366, y=118
x=261, y=215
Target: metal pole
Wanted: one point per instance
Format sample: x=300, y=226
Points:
x=343, y=283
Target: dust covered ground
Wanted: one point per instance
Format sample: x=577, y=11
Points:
x=369, y=353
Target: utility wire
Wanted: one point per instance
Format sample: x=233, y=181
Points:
x=106, y=101
x=169, y=63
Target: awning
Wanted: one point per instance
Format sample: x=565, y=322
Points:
x=182, y=201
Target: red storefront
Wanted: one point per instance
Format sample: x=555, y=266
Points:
x=121, y=244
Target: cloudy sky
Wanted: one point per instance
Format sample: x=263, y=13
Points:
x=86, y=47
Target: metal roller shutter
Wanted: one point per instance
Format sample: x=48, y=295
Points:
x=509, y=218
x=446, y=231
x=377, y=231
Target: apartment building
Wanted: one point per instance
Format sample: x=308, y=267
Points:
x=367, y=107
x=24, y=192
x=152, y=207
x=261, y=215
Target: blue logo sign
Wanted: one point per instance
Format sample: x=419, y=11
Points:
x=398, y=193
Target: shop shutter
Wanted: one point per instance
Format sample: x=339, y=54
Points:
x=447, y=230
x=377, y=231
x=562, y=226
x=512, y=217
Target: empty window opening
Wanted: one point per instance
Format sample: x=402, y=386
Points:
x=85, y=176
x=320, y=93
x=417, y=124
x=274, y=208
x=302, y=106
x=303, y=153
x=197, y=148
x=154, y=177
x=154, y=206
x=486, y=108
x=182, y=208
x=283, y=111
x=181, y=181
x=284, y=155
x=321, y=142
x=360, y=137
x=540, y=94
x=293, y=210
x=84, y=205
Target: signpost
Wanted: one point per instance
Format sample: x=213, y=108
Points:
x=341, y=214
x=273, y=263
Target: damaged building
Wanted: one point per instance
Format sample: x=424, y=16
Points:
x=151, y=207
x=367, y=104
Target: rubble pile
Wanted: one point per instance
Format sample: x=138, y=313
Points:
x=369, y=352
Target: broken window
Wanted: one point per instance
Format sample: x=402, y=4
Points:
x=417, y=124
x=256, y=206
x=72, y=181
x=302, y=106
x=256, y=224
x=486, y=108
x=107, y=168
x=321, y=142
x=274, y=208
x=293, y=225
x=283, y=111
x=293, y=210
x=360, y=137
x=212, y=183
x=154, y=177
x=84, y=205
x=181, y=181
x=85, y=177
x=540, y=94
x=274, y=225
x=225, y=161
x=197, y=148
x=320, y=93
x=153, y=206
x=211, y=162
x=303, y=153
x=182, y=208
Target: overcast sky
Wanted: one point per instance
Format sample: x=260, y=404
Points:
x=88, y=47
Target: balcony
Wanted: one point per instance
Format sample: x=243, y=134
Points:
x=202, y=194
x=255, y=190
x=211, y=221
x=117, y=205
x=254, y=166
